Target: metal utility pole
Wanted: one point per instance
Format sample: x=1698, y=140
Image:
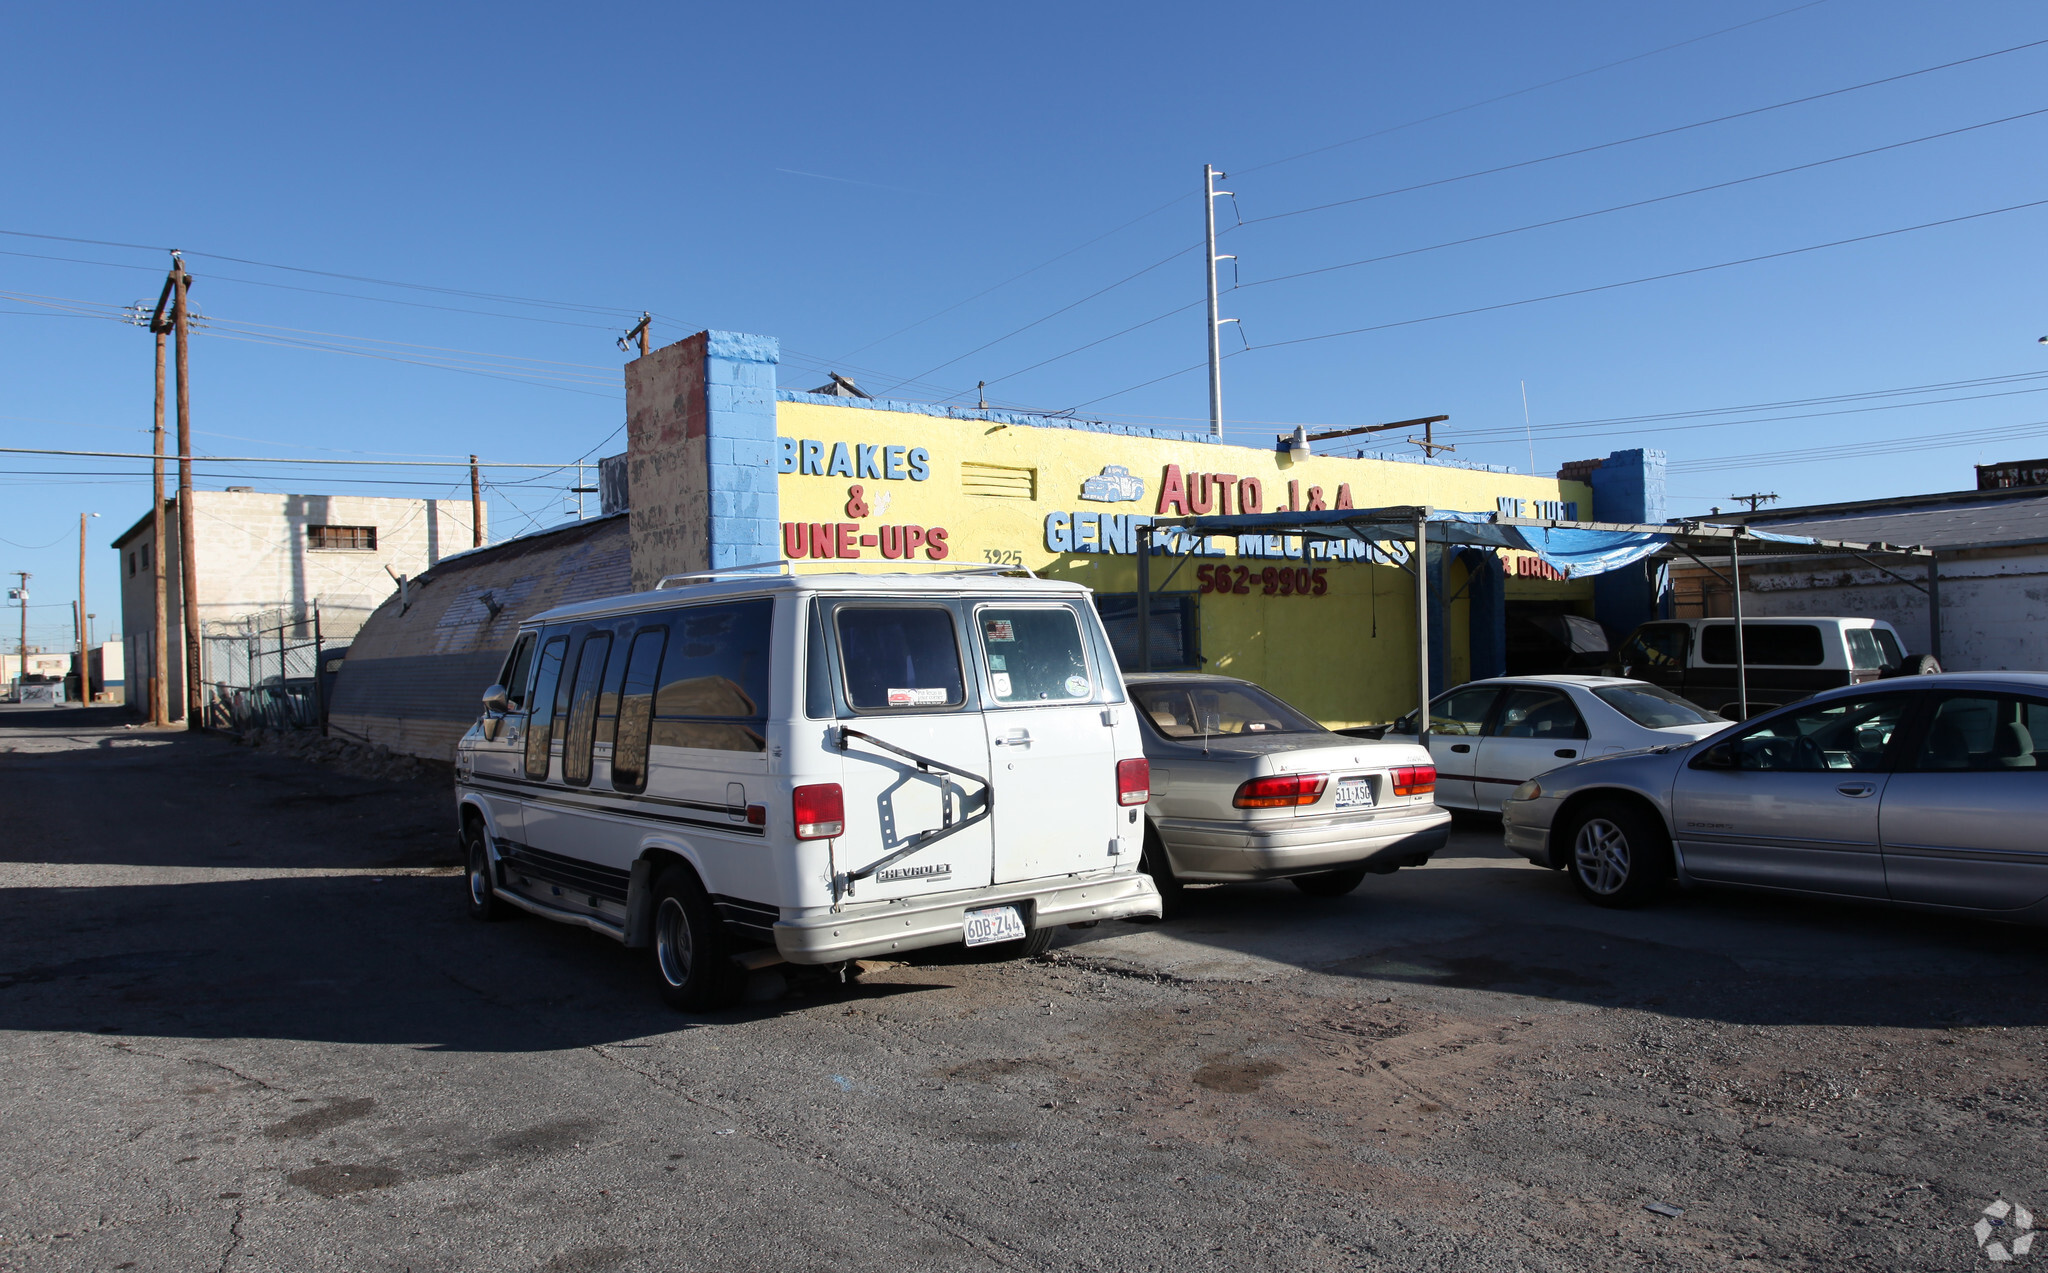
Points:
x=1209, y=193
x=84, y=636
x=21, y=594
x=639, y=332
x=1757, y=500
x=188, y=557
x=476, y=506
x=159, y=651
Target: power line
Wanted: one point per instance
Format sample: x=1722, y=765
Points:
x=1661, y=132
x=1838, y=452
x=1562, y=79
x=278, y=459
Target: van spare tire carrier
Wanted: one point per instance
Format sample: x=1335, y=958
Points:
x=843, y=737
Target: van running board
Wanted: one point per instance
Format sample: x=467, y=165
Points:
x=843, y=736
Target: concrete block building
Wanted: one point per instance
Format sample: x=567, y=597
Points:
x=259, y=552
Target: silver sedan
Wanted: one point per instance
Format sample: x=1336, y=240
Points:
x=1245, y=787
x=1928, y=793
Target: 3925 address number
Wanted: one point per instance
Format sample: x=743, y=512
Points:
x=1271, y=581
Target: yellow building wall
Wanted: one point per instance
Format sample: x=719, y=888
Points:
x=1347, y=657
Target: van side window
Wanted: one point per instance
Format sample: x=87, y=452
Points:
x=518, y=668
x=581, y=735
x=1034, y=655
x=538, y=733
x=636, y=708
x=714, y=678
x=817, y=666
x=898, y=657
x=1779, y=644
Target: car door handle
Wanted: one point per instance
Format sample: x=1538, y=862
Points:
x=1564, y=753
x=1016, y=738
x=1461, y=747
x=1857, y=789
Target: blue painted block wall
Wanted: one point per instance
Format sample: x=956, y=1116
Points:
x=739, y=448
x=1628, y=487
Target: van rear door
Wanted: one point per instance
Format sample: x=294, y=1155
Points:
x=904, y=696
x=1051, y=748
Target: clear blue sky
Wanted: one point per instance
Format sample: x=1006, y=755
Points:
x=832, y=175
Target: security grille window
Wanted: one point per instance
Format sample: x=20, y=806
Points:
x=900, y=658
x=1779, y=644
x=1176, y=634
x=714, y=679
x=342, y=538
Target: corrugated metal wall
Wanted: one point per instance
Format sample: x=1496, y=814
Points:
x=414, y=675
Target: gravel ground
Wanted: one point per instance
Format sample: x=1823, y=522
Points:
x=246, y=1026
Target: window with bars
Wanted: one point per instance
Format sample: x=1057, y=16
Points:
x=344, y=538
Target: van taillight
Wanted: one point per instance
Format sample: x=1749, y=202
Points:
x=1415, y=780
x=1133, y=781
x=1281, y=791
x=820, y=811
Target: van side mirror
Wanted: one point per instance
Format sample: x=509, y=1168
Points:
x=497, y=701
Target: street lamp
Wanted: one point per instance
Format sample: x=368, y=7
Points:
x=84, y=639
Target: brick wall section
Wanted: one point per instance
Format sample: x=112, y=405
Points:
x=414, y=676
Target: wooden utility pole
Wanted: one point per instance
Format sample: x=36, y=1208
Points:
x=188, y=557
x=160, y=635
x=476, y=506
x=1757, y=500
x=84, y=637
x=638, y=331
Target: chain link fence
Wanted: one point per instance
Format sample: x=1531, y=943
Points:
x=264, y=671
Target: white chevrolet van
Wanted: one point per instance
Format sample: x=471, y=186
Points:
x=737, y=771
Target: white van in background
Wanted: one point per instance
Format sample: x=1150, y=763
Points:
x=755, y=768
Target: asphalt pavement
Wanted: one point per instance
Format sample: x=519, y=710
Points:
x=246, y=1025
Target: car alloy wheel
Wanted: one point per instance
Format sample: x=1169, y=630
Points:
x=1601, y=851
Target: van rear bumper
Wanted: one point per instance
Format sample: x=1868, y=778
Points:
x=861, y=930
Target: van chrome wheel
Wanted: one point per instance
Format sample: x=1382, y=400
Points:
x=1602, y=856
x=674, y=949
x=484, y=903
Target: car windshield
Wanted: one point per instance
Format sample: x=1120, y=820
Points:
x=1201, y=709
x=1651, y=706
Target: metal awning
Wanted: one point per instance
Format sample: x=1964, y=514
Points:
x=1578, y=549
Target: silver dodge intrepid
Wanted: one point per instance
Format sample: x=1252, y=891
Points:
x=1928, y=792
x=1245, y=787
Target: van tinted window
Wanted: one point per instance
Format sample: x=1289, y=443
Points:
x=1779, y=644
x=581, y=735
x=899, y=657
x=538, y=732
x=817, y=666
x=714, y=676
x=518, y=668
x=636, y=708
x=1035, y=655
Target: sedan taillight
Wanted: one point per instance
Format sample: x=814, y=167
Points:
x=1133, y=781
x=1414, y=780
x=1281, y=791
x=820, y=811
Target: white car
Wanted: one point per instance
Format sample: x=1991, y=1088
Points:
x=1490, y=736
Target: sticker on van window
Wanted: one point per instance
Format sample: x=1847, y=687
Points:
x=1000, y=630
x=1001, y=680
x=1077, y=687
x=917, y=698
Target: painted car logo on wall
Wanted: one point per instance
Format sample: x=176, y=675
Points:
x=1114, y=485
